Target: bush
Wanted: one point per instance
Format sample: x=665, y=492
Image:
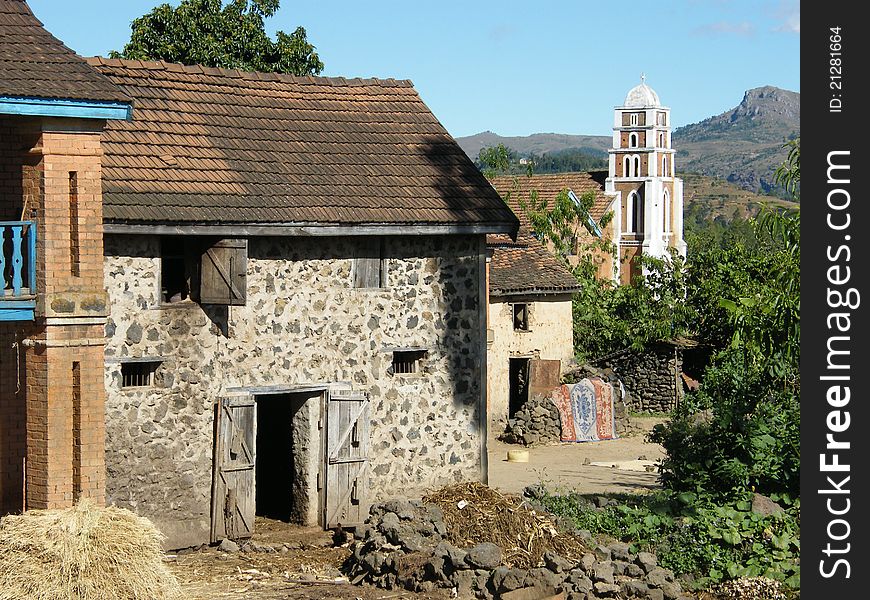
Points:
x=701, y=541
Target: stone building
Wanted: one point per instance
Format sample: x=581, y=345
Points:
x=281, y=313
x=530, y=315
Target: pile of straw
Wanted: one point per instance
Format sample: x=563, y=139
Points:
x=488, y=516
x=83, y=553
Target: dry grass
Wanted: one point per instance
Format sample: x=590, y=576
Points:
x=488, y=516
x=83, y=553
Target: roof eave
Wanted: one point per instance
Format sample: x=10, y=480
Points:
x=308, y=229
x=494, y=293
x=70, y=108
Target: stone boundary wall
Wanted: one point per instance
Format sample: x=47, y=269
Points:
x=650, y=377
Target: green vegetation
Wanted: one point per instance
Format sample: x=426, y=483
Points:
x=738, y=295
x=501, y=160
x=205, y=32
x=701, y=541
x=571, y=159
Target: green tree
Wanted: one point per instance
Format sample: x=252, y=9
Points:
x=741, y=431
x=206, y=32
x=495, y=160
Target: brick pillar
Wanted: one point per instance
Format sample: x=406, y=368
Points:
x=65, y=357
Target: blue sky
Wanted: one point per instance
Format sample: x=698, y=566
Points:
x=518, y=68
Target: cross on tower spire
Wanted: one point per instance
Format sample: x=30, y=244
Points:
x=643, y=77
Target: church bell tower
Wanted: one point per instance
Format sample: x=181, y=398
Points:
x=649, y=208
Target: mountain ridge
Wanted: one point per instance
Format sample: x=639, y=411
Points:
x=742, y=145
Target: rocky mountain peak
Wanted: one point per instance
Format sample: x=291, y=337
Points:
x=768, y=101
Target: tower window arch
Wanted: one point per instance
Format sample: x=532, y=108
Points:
x=666, y=207
x=635, y=164
x=632, y=140
x=626, y=166
x=662, y=139
x=666, y=164
x=632, y=119
x=633, y=213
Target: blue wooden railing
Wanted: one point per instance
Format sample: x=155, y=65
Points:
x=17, y=270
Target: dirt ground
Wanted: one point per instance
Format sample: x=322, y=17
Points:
x=308, y=566
x=585, y=467
x=307, y=569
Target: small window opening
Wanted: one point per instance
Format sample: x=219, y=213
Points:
x=74, y=241
x=633, y=119
x=138, y=374
x=176, y=269
x=521, y=317
x=406, y=362
x=632, y=140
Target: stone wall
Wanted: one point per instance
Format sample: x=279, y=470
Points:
x=536, y=423
x=650, y=377
x=550, y=336
x=302, y=323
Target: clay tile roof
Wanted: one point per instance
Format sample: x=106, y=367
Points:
x=35, y=64
x=526, y=267
x=516, y=188
x=212, y=146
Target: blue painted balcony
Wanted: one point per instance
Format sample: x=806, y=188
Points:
x=17, y=270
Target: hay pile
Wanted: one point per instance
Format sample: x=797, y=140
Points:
x=83, y=553
x=488, y=516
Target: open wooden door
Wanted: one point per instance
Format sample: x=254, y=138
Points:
x=347, y=446
x=233, y=502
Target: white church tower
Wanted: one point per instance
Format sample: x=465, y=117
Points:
x=649, y=199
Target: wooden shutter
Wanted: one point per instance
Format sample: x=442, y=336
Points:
x=347, y=446
x=367, y=266
x=234, y=500
x=224, y=273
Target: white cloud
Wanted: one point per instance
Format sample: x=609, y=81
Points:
x=789, y=14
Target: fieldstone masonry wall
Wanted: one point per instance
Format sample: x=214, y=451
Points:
x=303, y=323
x=536, y=423
x=650, y=377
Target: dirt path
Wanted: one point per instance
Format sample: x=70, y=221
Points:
x=306, y=566
x=572, y=466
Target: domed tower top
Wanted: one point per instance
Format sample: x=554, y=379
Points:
x=642, y=95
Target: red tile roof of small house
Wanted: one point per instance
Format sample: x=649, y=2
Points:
x=526, y=267
x=35, y=64
x=210, y=145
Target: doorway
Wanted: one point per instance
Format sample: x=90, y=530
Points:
x=288, y=455
x=518, y=376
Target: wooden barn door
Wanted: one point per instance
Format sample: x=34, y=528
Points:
x=233, y=502
x=347, y=446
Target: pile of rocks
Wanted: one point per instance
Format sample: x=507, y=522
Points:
x=404, y=544
x=535, y=423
